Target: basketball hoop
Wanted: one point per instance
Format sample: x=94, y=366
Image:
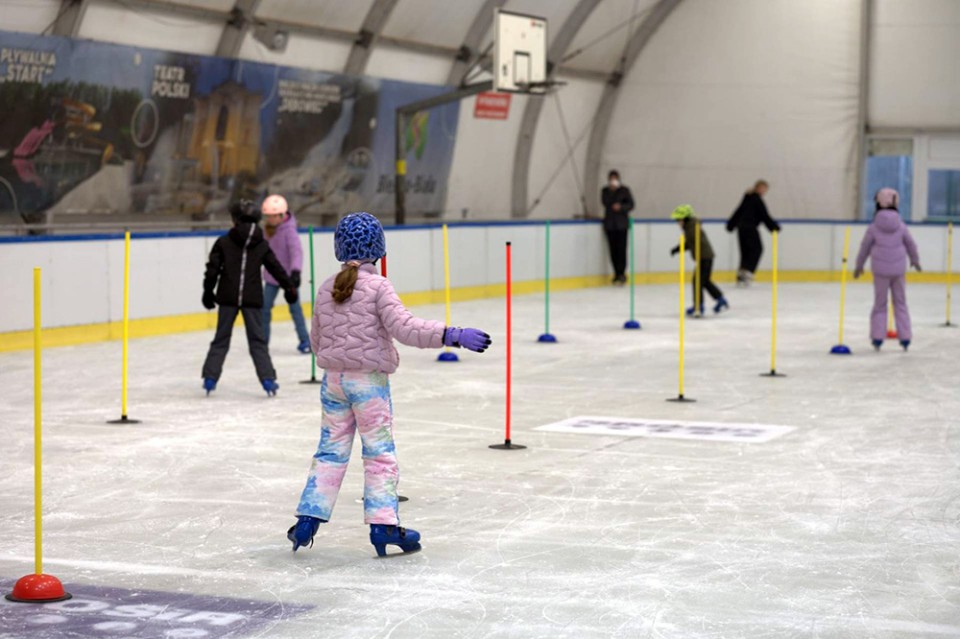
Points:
x=520, y=53
x=540, y=88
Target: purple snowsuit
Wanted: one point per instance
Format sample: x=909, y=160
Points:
x=888, y=243
x=285, y=244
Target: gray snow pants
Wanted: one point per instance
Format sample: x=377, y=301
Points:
x=253, y=320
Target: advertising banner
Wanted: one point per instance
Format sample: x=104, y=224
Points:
x=88, y=127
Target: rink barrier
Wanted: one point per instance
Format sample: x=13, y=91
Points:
x=202, y=321
x=83, y=277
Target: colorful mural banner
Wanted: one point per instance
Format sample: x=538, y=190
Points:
x=93, y=128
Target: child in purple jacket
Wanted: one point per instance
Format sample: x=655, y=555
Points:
x=888, y=244
x=355, y=320
x=280, y=229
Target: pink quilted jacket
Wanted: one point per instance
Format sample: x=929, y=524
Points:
x=358, y=334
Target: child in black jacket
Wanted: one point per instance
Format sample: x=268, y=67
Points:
x=234, y=272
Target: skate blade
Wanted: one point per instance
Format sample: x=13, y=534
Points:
x=408, y=550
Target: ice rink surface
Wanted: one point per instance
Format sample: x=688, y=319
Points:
x=845, y=527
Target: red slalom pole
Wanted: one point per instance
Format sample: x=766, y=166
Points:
x=383, y=273
x=507, y=443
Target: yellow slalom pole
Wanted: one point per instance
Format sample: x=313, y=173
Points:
x=699, y=290
x=38, y=587
x=446, y=271
x=891, y=330
x=949, y=271
x=841, y=348
x=773, y=323
x=126, y=334
x=37, y=428
x=683, y=313
x=447, y=355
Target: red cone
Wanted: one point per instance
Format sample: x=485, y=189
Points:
x=38, y=589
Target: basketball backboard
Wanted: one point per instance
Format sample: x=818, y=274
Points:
x=519, y=52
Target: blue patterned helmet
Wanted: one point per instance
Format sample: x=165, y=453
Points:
x=359, y=237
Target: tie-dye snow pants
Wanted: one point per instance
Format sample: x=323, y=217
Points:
x=351, y=402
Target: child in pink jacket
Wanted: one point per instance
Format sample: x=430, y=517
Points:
x=355, y=320
x=888, y=244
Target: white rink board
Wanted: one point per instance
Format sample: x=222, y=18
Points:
x=668, y=429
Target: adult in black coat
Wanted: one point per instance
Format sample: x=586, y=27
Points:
x=745, y=220
x=617, y=204
x=232, y=280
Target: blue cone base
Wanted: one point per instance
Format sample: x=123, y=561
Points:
x=547, y=338
x=631, y=324
x=841, y=349
x=448, y=356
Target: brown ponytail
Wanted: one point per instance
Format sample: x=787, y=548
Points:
x=343, y=285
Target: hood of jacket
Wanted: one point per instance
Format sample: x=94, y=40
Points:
x=240, y=233
x=887, y=221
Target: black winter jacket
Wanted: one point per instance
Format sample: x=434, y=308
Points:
x=616, y=220
x=750, y=214
x=234, y=267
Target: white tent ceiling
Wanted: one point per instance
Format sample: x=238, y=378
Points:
x=611, y=111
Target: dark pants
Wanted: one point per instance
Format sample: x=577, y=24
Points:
x=253, y=320
x=751, y=248
x=617, y=241
x=706, y=270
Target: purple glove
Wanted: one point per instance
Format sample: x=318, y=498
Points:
x=471, y=339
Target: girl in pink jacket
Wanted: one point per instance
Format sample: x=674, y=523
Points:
x=888, y=244
x=355, y=320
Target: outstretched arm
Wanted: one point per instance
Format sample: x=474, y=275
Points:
x=768, y=221
x=403, y=325
x=275, y=268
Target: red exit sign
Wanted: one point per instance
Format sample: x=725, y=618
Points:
x=492, y=105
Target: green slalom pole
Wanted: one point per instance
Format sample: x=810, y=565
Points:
x=313, y=302
x=632, y=323
x=546, y=338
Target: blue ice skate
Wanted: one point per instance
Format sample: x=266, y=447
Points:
x=693, y=310
x=301, y=533
x=209, y=385
x=382, y=536
x=877, y=343
x=905, y=343
x=270, y=385
x=721, y=305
